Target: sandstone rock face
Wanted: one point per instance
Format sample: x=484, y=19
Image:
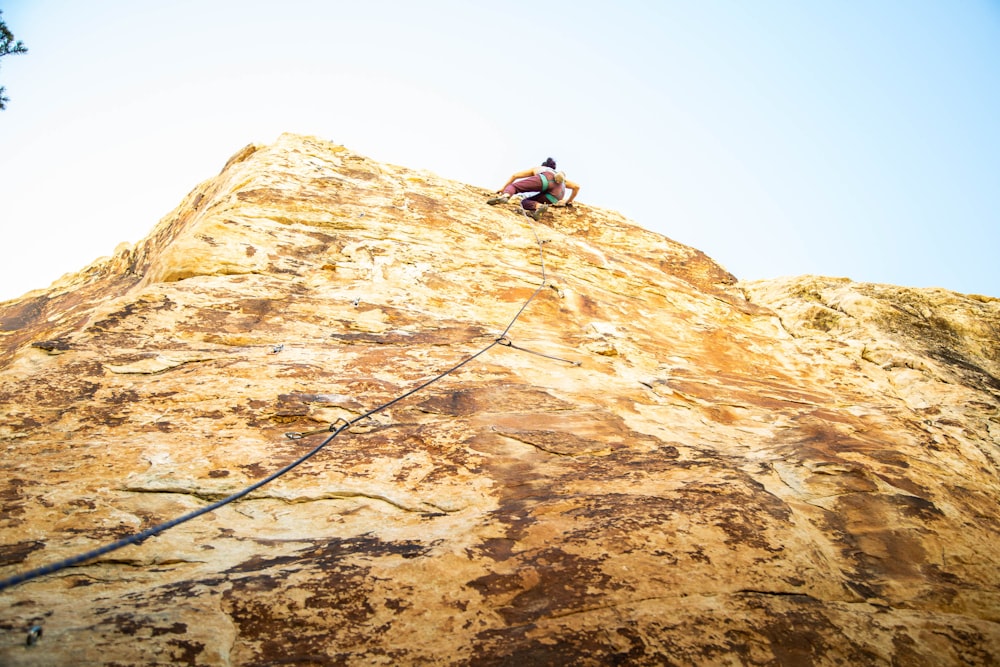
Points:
x=697, y=472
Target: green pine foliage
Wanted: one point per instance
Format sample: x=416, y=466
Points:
x=7, y=47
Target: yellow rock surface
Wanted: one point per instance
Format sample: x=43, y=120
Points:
x=697, y=472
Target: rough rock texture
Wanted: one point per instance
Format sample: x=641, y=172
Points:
x=793, y=472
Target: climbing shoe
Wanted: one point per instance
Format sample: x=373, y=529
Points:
x=499, y=199
x=537, y=213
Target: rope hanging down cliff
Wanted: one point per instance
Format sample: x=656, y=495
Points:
x=334, y=430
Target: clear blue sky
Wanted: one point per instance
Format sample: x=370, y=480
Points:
x=850, y=138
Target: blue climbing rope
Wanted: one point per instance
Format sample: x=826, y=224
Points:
x=334, y=430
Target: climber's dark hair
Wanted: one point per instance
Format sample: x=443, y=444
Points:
x=550, y=163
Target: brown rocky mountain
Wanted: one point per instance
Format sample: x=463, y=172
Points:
x=655, y=464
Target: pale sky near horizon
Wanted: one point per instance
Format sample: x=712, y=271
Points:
x=780, y=137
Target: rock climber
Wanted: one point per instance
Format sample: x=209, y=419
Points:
x=548, y=184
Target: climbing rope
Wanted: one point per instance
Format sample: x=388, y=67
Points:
x=508, y=343
x=333, y=429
